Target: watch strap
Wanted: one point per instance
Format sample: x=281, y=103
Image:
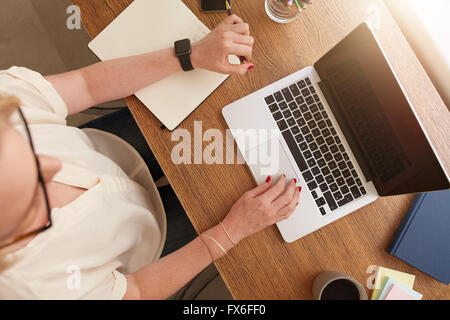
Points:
x=186, y=63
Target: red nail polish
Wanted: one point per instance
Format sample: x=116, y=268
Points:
x=299, y=189
x=296, y=204
x=250, y=67
x=268, y=179
x=295, y=180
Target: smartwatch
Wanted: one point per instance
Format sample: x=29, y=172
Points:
x=183, y=52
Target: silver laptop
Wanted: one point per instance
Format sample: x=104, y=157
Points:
x=343, y=128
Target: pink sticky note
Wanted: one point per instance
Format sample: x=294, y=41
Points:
x=397, y=293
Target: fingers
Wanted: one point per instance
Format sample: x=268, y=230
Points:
x=241, y=46
x=240, y=28
x=237, y=41
x=241, y=50
x=286, y=197
x=274, y=192
x=232, y=19
x=289, y=208
x=263, y=187
x=243, y=39
x=238, y=68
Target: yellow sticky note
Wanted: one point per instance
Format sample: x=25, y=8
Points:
x=383, y=273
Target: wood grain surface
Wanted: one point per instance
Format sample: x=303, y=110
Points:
x=263, y=266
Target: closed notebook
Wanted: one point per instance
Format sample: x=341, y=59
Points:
x=150, y=25
x=423, y=238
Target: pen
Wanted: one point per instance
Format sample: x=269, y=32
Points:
x=230, y=12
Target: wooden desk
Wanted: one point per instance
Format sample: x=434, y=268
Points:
x=263, y=266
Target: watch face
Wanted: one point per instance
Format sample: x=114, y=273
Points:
x=182, y=47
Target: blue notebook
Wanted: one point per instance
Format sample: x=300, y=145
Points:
x=423, y=238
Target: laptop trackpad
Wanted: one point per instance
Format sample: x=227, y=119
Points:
x=269, y=158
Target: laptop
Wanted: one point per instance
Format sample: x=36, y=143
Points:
x=344, y=128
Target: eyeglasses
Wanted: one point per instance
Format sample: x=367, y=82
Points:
x=41, y=182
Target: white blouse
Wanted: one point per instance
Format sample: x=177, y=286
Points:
x=114, y=228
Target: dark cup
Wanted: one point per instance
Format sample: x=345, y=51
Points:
x=332, y=285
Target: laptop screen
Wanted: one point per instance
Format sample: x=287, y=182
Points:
x=376, y=118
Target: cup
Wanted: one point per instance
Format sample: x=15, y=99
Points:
x=281, y=11
x=331, y=285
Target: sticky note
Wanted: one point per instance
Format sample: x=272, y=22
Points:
x=382, y=276
x=408, y=294
x=399, y=293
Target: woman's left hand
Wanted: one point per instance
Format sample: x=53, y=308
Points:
x=231, y=37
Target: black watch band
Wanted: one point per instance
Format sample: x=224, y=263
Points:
x=186, y=63
x=183, y=52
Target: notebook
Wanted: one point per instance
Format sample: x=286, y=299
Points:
x=382, y=276
x=394, y=290
x=150, y=25
x=423, y=238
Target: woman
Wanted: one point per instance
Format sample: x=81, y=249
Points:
x=72, y=223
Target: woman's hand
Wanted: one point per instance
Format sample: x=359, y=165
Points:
x=231, y=37
x=261, y=207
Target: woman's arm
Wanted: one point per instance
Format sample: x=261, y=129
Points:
x=254, y=211
x=167, y=275
x=120, y=78
x=113, y=79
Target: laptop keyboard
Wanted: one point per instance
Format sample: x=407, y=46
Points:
x=315, y=146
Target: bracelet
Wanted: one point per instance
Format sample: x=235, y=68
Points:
x=218, y=244
x=228, y=235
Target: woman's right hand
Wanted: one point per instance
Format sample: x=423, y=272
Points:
x=261, y=207
x=231, y=37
